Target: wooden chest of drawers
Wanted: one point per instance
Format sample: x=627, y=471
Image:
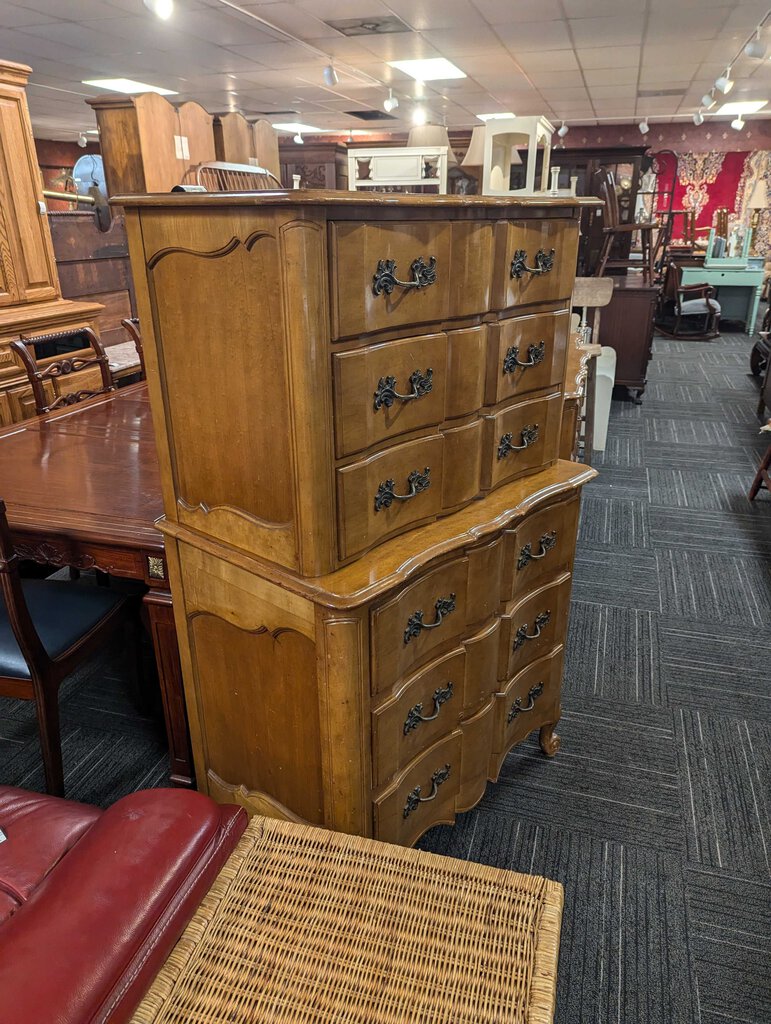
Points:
x=357, y=401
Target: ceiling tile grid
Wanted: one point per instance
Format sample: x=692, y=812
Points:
x=579, y=60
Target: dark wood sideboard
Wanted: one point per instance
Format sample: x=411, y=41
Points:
x=626, y=325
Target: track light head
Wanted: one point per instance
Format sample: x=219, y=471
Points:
x=755, y=48
x=698, y=118
x=644, y=126
x=330, y=75
x=299, y=139
x=390, y=103
x=82, y=141
x=562, y=130
x=737, y=124
x=725, y=82
x=708, y=101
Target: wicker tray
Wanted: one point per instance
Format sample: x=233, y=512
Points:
x=305, y=925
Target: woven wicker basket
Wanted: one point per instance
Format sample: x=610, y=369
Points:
x=305, y=925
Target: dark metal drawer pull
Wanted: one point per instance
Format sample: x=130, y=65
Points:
x=528, y=436
x=385, y=279
x=544, y=262
x=415, y=715
x=541, y=620
x=546, y=543
x=416, y=481
x=415, y=623
x=386, y=394
x=516, y=708
x=535, y=355
x=414, y=799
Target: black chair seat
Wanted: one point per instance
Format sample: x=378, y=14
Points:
x=62, y=613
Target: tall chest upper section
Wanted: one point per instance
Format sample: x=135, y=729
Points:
x=325, y=376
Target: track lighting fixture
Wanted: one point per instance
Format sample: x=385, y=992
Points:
x=299, y=139
x=162, y=9
x=82, y=141
x=755, y=48
x=737, y=124
x=644, y=126
x=330, y=75
x=391, y=102
x=562, y=130
x=698, y=118
x=708, y=101
x=725, y=82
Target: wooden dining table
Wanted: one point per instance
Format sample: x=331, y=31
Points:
x=82, y=489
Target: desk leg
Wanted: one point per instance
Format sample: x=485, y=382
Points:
x=161, y=616
x=753, y=309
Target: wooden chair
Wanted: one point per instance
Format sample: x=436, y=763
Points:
x=53, y=377
x=613, y=228
x=47, y=629
x=762, y=477
x=682, y=305
x=131, y=326
x=220, y=176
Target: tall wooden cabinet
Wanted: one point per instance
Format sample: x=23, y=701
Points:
x=369, y=532
x=30, y=296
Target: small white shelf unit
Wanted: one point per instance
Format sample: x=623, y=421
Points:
x=392, y=167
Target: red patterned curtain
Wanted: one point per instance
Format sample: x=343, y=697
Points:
x=706, y=182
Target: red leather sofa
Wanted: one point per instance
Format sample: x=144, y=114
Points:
x=91, y=902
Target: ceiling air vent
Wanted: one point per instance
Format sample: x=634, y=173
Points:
x=374, y=26
x=370, y=115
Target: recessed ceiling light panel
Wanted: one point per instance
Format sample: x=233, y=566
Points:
x=295, y=128
x=432, y=69
x=742, y=107
x=127, y=86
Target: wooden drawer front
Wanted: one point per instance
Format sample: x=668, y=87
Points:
x=526, y=353
x=475, y=756
x=423, y=795
x=361, y=258
x=522, y=437
x=382, y=391
x=530, y=700
x=542, y=545
x=388, y=492
x=533, y=626
x=417, y=619
x=548, y=247
x=431, y=703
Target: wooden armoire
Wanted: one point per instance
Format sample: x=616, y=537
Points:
x=370, y=535
x=30, y=296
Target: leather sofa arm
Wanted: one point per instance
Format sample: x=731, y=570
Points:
x=86, y=946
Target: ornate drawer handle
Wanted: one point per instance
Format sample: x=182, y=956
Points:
x=528, y=435
x=535, y=355
x=416, y=482
x=385, y=279
x=414, y=799
x=541, y=620
x=415, y=623
x=415, y=715
x=386, y=393
x=544, y=262
x=546, y=543
x=516, y=708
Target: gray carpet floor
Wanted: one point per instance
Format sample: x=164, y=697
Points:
x=655, y=813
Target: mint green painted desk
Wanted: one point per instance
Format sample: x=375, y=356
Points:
x=738, y=290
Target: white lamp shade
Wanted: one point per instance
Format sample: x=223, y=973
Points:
x=432, y=135
x=475, y=154
x=759, y=197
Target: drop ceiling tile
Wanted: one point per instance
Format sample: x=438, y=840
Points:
x=12, y=16
x=399, y=46
x=458, y=42
x=299, y=21
x=534, y=35
x=30, y=44
x=605, y=92
x=226, y=28
x=598, y=57
x=499, y=63
x=557, y=79
x=548, y=60
x=273, y=55
x=622, y=30
x=669, y=55
x=423, y=15
x=610, y=76
x=569, y=95
x=499, y=12
x=600, y=8
x=335, y=10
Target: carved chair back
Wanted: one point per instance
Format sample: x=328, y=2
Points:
x=606, y=189
x=131, y=326
x=60, y=371
x=220, y=176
